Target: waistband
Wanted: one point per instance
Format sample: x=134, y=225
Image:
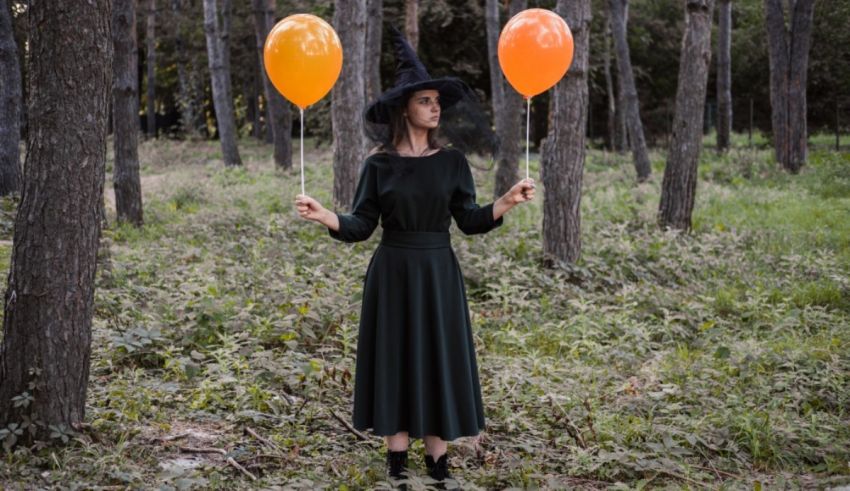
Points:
x=416, y=240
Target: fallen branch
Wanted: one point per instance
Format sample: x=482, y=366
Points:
x=572, y=429
x=262, y=439
x=590, y=420
x=203, y=450
x=240, y=468
x=349, y=427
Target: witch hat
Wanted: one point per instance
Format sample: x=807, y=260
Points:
x=411, y=76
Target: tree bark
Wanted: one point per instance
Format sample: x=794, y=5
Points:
x=347, y=99
x=49, y=300
x=618, y=10
x=278, y=110
x=150, y=63
x=10, y=105
x=680, y=174
x=411, y=22
x=374, y=31
x=562, y=164
x=187, y=99
x=724, y=74
x=220, y=78
x=125, y=110
x=507, y=103
x=609, y=85
x=789, y=62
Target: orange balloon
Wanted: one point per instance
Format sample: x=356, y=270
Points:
x=535, y=50
x=303, y=58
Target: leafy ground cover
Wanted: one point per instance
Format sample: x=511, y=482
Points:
x=226, y=328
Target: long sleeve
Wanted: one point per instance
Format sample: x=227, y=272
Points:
x=469, y=216
x=365, y=209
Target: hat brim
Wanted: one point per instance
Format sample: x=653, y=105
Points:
x=451, y=91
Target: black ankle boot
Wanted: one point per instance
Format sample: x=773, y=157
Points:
x=396, y=463
x=439, y=469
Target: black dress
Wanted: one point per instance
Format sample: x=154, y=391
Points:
x=416, y=369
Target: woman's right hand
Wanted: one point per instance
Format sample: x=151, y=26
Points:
x=309, y=209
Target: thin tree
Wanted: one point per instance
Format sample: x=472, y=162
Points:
x=507, y=103
x=150, y=63
x=619, y=16
x=10, y=105
x=280, y=122
x=217, y=34
x=562, y=164
x=609, y=84
x=411, y=22
x=347, y=98
x=678, y=188
x=49, y=300
x=789, y=63
x=374, y=31
x=125, y=114
x=724, y=74
x=185, y=81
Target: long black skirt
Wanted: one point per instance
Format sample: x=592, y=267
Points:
x=416, y=369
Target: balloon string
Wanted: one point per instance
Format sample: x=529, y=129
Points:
x=302, y=151
x=527, y=125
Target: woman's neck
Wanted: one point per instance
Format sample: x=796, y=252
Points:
x=415, y=142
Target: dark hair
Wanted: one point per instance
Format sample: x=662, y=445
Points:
x=397, y=130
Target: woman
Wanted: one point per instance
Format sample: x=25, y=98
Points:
x=416, y=373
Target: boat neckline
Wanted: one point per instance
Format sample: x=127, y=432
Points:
x=421, y=156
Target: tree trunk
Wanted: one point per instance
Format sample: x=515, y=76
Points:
x=187, y=98
x=220, y=78
x=680, y=175
x=789, y=62
x=347, y=99
x=411, y=22
x=49, y=299
x=563, y=156
x=724, y=74
x=374, y=30
x=252, y=95
x=150, y=63
x=609, y=85
x=280, y=122
x=618, y=10
x=507, y=104
x=125, y=110
x=10, y=105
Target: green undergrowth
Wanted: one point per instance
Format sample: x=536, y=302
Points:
x=712, y=359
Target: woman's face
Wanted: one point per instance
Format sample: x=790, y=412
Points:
x=423, y=109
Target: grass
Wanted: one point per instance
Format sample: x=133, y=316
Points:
x=716, y=359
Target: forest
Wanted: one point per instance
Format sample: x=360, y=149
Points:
x=672, y=310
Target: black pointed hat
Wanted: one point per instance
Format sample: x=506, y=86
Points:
x=411, y=76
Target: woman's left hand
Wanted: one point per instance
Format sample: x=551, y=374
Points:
x=521, y=192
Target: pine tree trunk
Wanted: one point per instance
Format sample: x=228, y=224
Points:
x=724, y=74
x=411, y=22
x=609, y=85
x=789, y=61
x=278, y=113
x=618, y=10
x=678, y=188
x=186, y=98
x=508, y=105
x=150, y=63
x=49, y=299
x=347, y=99
x=125, y=110
x=374, y=28
x=220, y=78
x=10, y=105
x=562, y=164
